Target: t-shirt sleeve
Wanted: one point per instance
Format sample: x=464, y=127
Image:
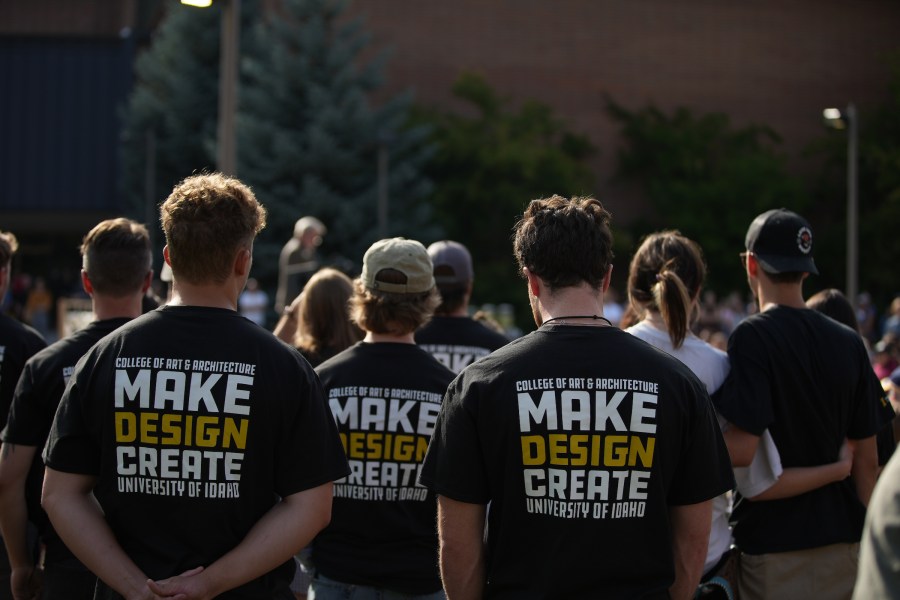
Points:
x=744, y=398
x=454, y=464
x=310, y=451
x=73, y=445
x=704, y=469
x=27, y=425
x=865, y=419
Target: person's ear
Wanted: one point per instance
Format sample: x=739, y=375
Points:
x=534, y=282
x=242, y=262
x=86, y=283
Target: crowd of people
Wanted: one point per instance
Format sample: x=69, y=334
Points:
x=381, y=442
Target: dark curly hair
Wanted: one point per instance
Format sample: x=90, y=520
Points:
x=565, y=242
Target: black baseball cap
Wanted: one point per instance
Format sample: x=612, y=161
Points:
x=782, y=242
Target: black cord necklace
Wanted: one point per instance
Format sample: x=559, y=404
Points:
x=594, y=317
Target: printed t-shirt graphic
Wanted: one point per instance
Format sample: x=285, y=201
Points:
x=195, y=421
x=581, y=439
x=385, y=398
x=457, y=342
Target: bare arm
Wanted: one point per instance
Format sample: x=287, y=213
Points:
x=280, y=533
x=741, y=445
x=68, y=500
x=15, y=462
x=286, y=328
x=461, y=531
x=799, y=480
x=691, y=524
x=865, y=467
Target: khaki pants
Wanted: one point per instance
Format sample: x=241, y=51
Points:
x=825, y=573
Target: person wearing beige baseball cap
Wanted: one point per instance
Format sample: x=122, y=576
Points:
x=385, y=393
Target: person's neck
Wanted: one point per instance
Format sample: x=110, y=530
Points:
x=126, y=307
x=210, y=295
x=772, y=294
x=581, y=305
x=373, y=338
x=655, y=320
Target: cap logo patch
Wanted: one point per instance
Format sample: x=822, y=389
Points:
x=804, y=240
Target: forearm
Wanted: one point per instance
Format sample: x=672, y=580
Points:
x=462, y=552
x=865, y=468
x=799, y=480
x=15, y=463
x=690, y=538
x=79, y=522
x=14, y=525
x=279, y=534
x=462, y=571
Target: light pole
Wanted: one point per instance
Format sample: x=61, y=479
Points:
x=847, y=119
x=226, y=149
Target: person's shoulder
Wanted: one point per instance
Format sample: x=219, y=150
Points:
x=342, y=357
x=14, y=329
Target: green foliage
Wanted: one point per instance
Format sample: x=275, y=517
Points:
x=878, y=197
x=491, y=161
x=310, y=137
x=704, y=178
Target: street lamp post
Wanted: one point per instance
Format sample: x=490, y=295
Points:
x=226, y=151
x=847, y=119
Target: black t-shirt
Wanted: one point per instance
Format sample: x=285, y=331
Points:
x=385, y=398
x=581, y=439
x=805, y=378
x=37, y=395
x=18, y=343
x=195, y=421
x=457, y=342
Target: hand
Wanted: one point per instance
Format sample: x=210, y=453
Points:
x=187, y=586
x=25, y=583
x=845, y=458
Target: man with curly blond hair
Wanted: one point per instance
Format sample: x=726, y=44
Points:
x=193, y=428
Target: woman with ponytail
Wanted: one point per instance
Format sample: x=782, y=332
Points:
x=665, y=278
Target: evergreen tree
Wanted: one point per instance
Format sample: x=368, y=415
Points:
x=310, y=138
x=172, y=110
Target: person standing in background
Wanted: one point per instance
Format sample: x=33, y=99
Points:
x=298, y=260
x=253, y=302
x=451, y=335
x=18, y=343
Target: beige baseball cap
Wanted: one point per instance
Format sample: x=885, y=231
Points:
x=406, y=256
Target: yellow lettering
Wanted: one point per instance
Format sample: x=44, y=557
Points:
x=533, y=451
x=207, y=432
x=616, y=450
x=234, y=435
x=645, y=452
x=126, y=432
x=148, y=428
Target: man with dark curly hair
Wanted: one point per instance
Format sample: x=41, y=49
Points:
x=597, y=454
x=192, y=453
